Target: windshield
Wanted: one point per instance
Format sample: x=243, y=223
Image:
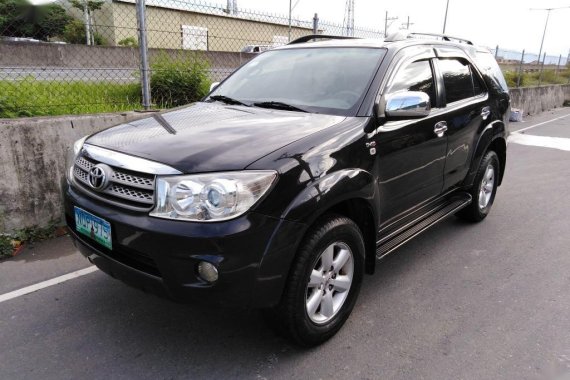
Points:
x=321, y=80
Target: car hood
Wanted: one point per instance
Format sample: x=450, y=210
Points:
x=205, y=137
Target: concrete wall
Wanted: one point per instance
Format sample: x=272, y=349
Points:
x=30, y=54
x=33, y=153
x=32, y=161
x=533, y=100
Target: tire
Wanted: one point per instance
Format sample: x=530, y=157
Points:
x=483, y=190
x=317, y=300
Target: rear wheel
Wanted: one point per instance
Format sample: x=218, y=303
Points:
x=323, y=283
x=483, y=190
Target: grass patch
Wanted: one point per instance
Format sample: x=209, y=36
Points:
x=11, y=243
x=30, y=97
x=533, y=79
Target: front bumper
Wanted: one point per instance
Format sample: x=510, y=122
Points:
x=252, y=253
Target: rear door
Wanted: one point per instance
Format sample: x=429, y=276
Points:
x=467, y=112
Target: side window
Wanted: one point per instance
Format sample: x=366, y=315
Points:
x=478, y=86
x=416, y=76
x=457, y=79
x=489, y=66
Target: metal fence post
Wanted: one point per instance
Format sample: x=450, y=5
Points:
x=520, y=70
x=316, y=24
x=568, y=65
x=541, y=68
x=496, y=52
x=143, y=51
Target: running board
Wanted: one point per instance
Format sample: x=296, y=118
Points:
x=436, y=213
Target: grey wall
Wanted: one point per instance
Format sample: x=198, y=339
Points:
x=30, y=54
x=33, y=152
x=32, y=161
x=533, y=100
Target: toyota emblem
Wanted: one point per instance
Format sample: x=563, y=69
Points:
x=97, y=177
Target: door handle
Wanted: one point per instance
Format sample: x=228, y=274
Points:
x=485, y=112
x=440, y=128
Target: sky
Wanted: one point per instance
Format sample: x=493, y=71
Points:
x=507, y=23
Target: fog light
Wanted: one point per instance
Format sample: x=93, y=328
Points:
x=207, y=271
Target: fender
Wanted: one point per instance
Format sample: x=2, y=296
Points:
x=310, y=204
x=330, y=190
x=493, y=131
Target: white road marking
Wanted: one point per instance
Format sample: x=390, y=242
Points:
x=47, y=283
x=539, y=124
x=542, y=141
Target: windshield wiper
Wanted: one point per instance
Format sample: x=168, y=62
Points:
x=279, y=106
x=228, y=100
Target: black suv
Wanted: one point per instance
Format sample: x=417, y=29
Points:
x=289, y=181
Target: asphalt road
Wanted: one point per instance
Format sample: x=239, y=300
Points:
x=462, y=301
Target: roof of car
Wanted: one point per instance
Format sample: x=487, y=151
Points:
x=395, y=41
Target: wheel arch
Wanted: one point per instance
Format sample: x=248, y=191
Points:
x=493, y=138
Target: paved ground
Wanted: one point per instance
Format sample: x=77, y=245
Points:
x=486, y=301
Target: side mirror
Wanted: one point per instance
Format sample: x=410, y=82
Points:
x=214, y=85
x=407, y=105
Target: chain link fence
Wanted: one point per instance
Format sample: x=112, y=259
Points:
x=86, y=56
x=522, y=68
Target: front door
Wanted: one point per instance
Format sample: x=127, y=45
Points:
x=410, y=154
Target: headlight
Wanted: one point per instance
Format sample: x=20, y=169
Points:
x=210, y=197
x=72, y=153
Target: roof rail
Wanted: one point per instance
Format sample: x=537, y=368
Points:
x=402, y=35
x=444, y=37
x=310, y=37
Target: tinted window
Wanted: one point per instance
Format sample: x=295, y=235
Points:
x=456, y=79
x=478, y=86
x=323, y=80
x=416, y=76
x=489, y=66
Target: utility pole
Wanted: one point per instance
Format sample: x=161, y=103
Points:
x=349, y=18
x=445, y=18
x=386, y=23
x=316, y=24
x=290, y=10
x=545, y=24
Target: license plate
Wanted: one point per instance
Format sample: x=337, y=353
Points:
x=94, y=227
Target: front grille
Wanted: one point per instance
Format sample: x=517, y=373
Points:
x=129, y=189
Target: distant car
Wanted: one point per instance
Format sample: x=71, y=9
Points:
x=19, y=39
x=282, y=187
x=256, y=48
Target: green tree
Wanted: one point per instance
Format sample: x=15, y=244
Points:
x=18, y=18
x=74, y=33
x=90, y=6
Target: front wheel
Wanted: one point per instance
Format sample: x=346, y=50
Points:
x=483, y=190
x=323, y=283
